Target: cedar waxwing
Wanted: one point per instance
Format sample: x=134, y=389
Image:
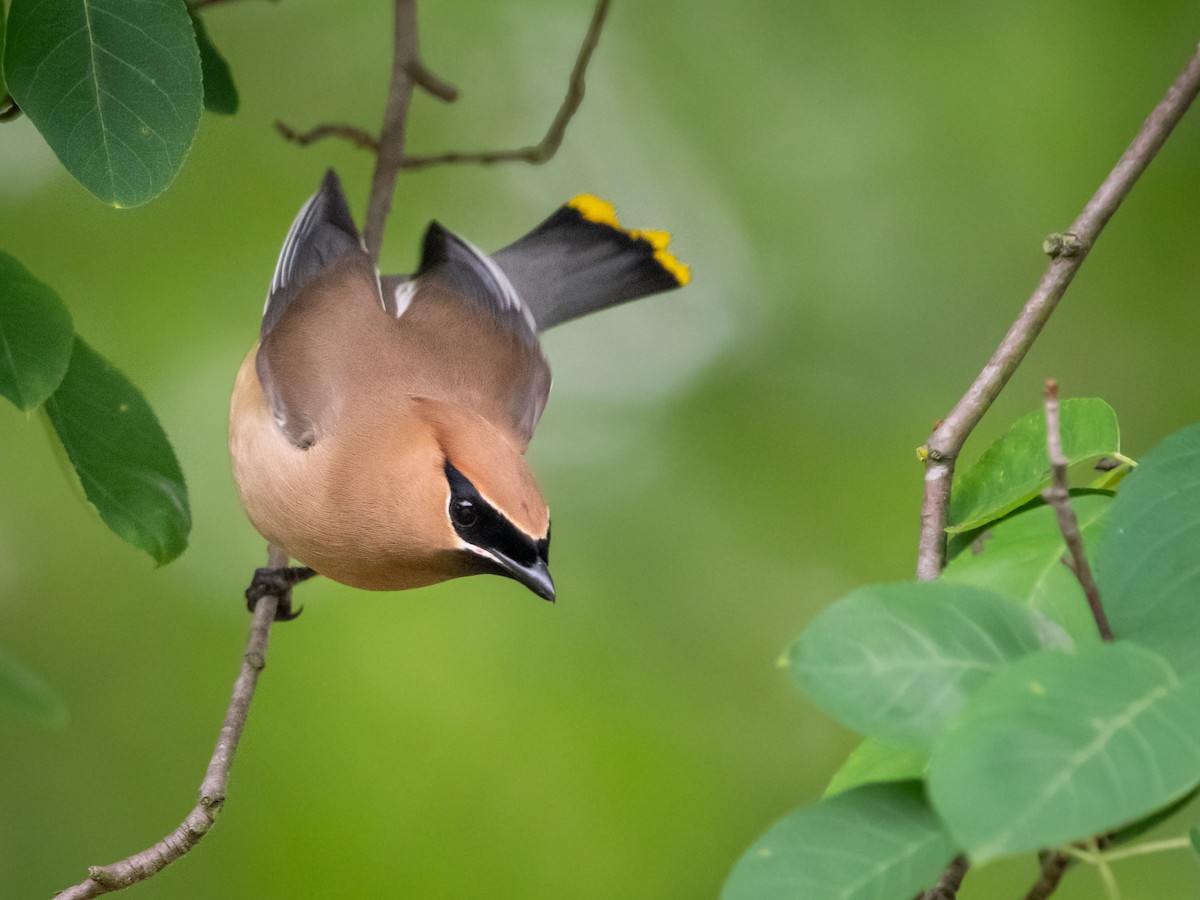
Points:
x=379, y=426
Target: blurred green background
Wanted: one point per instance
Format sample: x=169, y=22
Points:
x=861, y=190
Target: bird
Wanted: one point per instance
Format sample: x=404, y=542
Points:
x=378, y=426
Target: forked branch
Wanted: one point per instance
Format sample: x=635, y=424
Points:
x=544, y=149
x=1068, y=251
x=389, y=147
x=408, y=73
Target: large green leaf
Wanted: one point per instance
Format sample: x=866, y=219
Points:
x=123, y=458
x=1022, y=559
x=1058, y=747
x=1148, y=564
x=873, y=761
x=220, y=93
x=877, y=842
x=1017, y=466
x=24, y=693
x=114, y=86
x=897, y=661
x=35, y=336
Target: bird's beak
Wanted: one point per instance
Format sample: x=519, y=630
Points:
x=536, y=577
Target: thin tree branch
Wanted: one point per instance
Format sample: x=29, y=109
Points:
x=952, y=878
x=359, y=137
x=149, y=862
x=535, y=154
x=1068, y=251
x=1058, y=495
x=1054, y=866
x=407, y=73
x=431, y=84
x=543, y=151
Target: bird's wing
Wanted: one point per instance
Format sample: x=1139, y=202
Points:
x=468, y=336
x=324, y=297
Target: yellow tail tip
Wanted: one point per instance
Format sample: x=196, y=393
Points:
x=602, y=212
x=595, y=210
x=681, y=271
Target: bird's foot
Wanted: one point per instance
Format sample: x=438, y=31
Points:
x=278, y=583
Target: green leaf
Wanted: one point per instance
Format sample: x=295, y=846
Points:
x=873, y=761
x=220, y=93
x=124, y=460
x=1194, y=838
x=875, y=842
x=1148, y=564
x=24, y=693
x=114, y=86
x=1017, y=466
x=897, y=661
x=1058, y=747
x=1021, y=558
x=35, y=336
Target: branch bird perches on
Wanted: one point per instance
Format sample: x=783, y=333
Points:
x=408, y=73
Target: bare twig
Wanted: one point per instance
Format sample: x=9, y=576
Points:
x=408, y=70
x=1068, y=252
x=359, y=137
x=544, y=150
x=1058, y=496
x=1054, y=866
x=952, y=878
x=143, y=865
x=407, y=73
x=431, y=84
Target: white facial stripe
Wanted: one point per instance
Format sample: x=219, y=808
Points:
x=478, y=551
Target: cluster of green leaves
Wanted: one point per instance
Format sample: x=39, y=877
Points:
x=996, y=721
x=116, y=88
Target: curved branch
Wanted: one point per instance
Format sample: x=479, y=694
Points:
x=359, y=137
x=408, y=72
x=543, y=151
x=1054, y=865
x=952, y=878
x=1068, y=253
x=149, y=862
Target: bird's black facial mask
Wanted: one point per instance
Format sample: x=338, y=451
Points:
x=480, y=524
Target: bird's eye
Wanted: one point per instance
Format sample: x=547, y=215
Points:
x=464, y=513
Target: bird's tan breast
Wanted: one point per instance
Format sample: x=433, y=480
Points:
x=357, y=506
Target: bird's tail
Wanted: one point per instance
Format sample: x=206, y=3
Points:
x=581, y=260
